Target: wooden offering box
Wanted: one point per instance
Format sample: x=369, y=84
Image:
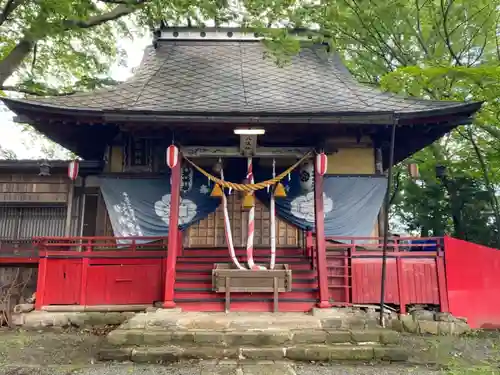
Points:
x=226, y=278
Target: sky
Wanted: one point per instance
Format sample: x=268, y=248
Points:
x=25, y=146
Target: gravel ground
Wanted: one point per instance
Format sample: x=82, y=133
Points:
x=120, y=369
x=73, y=353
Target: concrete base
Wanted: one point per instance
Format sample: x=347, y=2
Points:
x=167, y=336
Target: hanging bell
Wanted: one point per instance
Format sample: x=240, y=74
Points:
x=248, y=201
x=216, y=191
x=279, y=191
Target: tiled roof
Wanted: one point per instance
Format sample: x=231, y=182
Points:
x=235, y=77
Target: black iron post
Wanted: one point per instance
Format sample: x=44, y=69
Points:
x=387, y=204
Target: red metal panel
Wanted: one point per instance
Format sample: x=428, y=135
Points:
x=473, y=280
x=62, y=282
x=124, y=284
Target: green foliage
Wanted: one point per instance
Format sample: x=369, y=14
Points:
x=440, y=50
x=7, y=154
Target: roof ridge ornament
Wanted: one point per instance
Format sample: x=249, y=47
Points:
x=203, y=33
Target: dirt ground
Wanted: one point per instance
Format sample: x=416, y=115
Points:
x=73, y=352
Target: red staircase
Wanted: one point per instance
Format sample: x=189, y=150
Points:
x=193, y=287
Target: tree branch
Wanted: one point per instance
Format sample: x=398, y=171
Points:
x=447, y=36
x=357, y=9
x=8, y=9
x=126, y=2
x=13, y=60
x=10, y=63
x=396, y=188
x=117, y=12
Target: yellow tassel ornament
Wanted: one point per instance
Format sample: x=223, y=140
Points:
x=279, y=191
x=248, y=201
x=216, y=191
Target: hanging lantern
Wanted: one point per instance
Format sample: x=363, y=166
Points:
x=73, y=169
x=216, y=191
x=172, y=156
x=321, y=163
x=306, y=176
x=279, y=191
x=248, y=201
x=413, y=171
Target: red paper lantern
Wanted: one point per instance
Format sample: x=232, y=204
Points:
x=321, y=163
x=413, y=171
x=73, y=169
x=172, y=156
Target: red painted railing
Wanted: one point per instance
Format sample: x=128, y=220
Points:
x=415, y=271
x=93, y=244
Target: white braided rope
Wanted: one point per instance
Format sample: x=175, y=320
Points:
x=227, y=227
x=251, y=220
x=272, y=208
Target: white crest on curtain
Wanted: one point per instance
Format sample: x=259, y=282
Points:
x=127, y=219
x=302, y=207
x=204, y=189
x=187, y=209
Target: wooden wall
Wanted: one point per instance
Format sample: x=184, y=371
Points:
x=22, y=188
x=352, y=161
x=33, y=205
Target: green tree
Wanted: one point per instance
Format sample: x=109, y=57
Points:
x=7, y=154
x=443, y=50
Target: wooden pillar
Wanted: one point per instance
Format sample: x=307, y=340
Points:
x=173, y=236
x=324, y=298
x=69, y=208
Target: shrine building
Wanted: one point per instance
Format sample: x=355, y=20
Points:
x=214, y=160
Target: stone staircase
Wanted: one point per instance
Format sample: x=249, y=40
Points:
x=166, y=336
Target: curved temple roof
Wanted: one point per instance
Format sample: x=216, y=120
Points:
x=207, y=77
x=222, y=78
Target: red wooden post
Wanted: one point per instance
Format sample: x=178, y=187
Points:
x=42, y=276
x=320, y=241
x=441, y=274
x=401, y=284
x=347, y=279
x=309, y=243
x=173, y=236
x=85, y=272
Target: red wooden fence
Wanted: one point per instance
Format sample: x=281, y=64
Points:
x=464, y=279
x=473, y=281
x=413, y=277
x=100, y=270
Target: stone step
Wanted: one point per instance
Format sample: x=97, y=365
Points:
x=174, y=353
x=241, y=306
x=155, y=336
